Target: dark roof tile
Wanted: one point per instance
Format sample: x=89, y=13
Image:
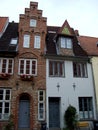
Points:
x=10, y=32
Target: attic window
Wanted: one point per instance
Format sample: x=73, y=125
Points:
x=33, y=23
x=66, y=42
x=13, y=41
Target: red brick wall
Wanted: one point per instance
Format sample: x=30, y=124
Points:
x=28, y=87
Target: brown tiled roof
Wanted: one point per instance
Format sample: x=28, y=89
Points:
x=2, y=23
x=89, y=44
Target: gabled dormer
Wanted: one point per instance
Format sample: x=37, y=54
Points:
x=65, y=40
x=32, y=30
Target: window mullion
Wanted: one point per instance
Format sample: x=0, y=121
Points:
x=30, y=69
x=24, y=67
x=7, y=65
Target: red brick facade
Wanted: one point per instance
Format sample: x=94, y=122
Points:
x=28, y=88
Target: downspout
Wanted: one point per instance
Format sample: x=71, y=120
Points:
x=96, y=108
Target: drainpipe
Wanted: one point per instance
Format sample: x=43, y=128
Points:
x=96, y=108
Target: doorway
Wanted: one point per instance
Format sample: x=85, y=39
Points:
x=24, y=112
x=54, y=112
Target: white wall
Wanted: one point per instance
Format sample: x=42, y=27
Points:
x=69, y=95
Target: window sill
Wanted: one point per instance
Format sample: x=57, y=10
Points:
x=26, y=77
x=4, y=76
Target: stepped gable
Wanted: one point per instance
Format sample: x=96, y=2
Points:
x=10, y=32
x=89, y=44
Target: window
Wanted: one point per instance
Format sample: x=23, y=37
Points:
x=85, y=108
x=56, y=68
x=41, y=105
x=13, y=41
x=37, y=42
x=26, y=42
x=79, y=69
x=33, y=23
x=66, y=42
x=6, y=65
x=28, y=66
x=5, y=96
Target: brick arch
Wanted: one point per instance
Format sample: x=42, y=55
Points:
x=28, y=55
x=18, y=98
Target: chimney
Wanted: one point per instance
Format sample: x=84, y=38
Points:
x=77, y=32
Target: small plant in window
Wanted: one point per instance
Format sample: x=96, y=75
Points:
x=26, y=77
x=4, y=75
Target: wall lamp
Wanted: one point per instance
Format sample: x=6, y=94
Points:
x=74, y=86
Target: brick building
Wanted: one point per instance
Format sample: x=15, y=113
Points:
x=22, y=69
x=43, y=70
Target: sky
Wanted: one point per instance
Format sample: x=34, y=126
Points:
x=81, y=15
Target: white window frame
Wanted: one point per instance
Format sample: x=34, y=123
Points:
x=13, y=41
x=86, y=112
x=33, y=22
x=7, y=65
x=3, y=115
x=24, y=69
x=37, y=42
x=26, y=41
x=41, y=102
x=66, y=42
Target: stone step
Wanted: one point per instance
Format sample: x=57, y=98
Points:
x=23, y=128
x=54, y=128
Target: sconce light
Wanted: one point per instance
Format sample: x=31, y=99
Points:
x=17, y=85
x=58, y=86
x=74, y=86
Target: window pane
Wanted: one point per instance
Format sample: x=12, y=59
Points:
x=50, y=68
x=7, y=96
x=85, y=107
x=26, y=41
x=61, y=69
x=41, y=110
x=56, y=68
x=79, y=69
x=10, y=66
x=33, y=67
x=32, y=23
x=28, y=67
x=21, y=66
x=4, y=65
x=1, y=107
x=63, y=43
x=6, y=108
x=69, y=43
x=41, y=96
x=37, y=42
x=1, y=94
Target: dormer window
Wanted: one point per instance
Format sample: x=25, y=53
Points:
x=65, y=42
x=33, y=23
x=13, y=41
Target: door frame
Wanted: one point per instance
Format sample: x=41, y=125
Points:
x=24, y=98
x=55, y=99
